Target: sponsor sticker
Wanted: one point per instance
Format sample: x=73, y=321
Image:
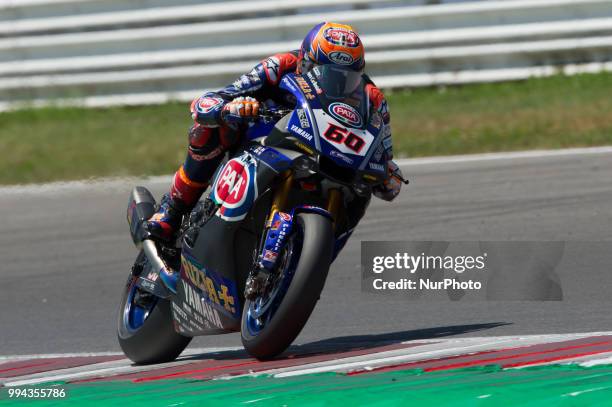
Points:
x=317, y=87
x=194, y=300
x=152, y=276
x=301, y=132
x=269, y=255
x=259, y=150
x=304, y=147
x=267, y=155
x=339, y=155
x=351, y=141
x=303, y=119
x=315, y=82
x=377, y=167
x=272, y=66
x=346, y=114
x=305, y=87
x=282, y=234
x=288, y=83
x=232, y=186
x=284, y=216
x=208, y=104
x=340, y=58
x=341, y=36
x=218, y=291
x=235, y=188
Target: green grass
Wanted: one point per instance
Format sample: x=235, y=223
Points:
x=71, y=143
x=482, y=386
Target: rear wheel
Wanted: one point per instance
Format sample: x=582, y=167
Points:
x=271, y=322
x=144, y=325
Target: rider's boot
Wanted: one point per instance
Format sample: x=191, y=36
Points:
x=184, y=194
x=164, y=224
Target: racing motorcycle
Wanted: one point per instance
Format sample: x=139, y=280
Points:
x=254, y=254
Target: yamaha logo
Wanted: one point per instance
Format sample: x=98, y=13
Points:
x=346, y=114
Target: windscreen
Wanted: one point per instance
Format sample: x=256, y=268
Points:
x=339, y=82
x=341, y=85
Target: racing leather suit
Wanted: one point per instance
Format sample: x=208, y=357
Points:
x=210, y=136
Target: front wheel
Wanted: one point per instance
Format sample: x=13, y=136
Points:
x=144, y=325
x=271, y=322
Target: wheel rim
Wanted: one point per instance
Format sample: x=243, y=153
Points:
x=134, y=315
x=261, y=310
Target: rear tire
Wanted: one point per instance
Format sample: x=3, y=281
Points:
x=301, y=296
x=155, y=341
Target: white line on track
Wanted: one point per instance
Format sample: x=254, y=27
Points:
x=12, y=358
x=533, y=337
x=373, y=362
x=441, y=348
x=104, y=369
x=114, y=183
x=188, y=352
x=603, y=359
x=434, y=348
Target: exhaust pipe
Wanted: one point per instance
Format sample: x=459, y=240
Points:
x=141, y=207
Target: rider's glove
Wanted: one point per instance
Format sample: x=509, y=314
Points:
x=240, y=110
x=389, y=189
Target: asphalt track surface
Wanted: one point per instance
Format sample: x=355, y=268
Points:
x=65, y=252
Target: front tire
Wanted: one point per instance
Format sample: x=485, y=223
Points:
x=302, y=294
x=147, y=336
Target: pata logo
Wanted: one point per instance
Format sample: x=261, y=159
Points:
x=232, y=185
x=341, y=36
x=346, y=114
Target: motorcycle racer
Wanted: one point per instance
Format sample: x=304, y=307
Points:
x=222, y=117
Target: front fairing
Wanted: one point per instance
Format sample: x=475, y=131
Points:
x=349, y=137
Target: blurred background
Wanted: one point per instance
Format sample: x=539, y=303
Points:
x=449, y=68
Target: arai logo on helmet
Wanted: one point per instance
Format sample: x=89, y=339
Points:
x=341, y=58
x=346, y=114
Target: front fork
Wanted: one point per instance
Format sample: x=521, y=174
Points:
x=279, y=225
x=279, y=201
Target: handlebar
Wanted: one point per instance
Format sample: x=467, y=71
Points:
x=269, y=114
